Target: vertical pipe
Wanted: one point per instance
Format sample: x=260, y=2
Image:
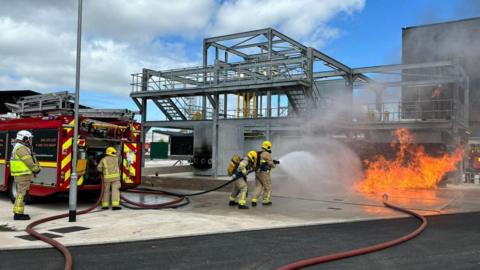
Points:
x=72, y=198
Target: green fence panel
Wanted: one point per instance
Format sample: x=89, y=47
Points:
x=159, y=150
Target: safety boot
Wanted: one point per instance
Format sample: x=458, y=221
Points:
x=242, y=206
x=267, y=203
x=21, y=217
x=232, y=203
x=116, y=208
x=105, y=207
x=254, y=204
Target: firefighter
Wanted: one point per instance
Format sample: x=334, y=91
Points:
x=23, y=167
x=246, y=165
x=263, y=181
x=109, y=167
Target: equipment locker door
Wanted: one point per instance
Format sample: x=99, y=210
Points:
x=129, y=163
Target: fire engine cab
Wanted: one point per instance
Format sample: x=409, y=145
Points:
x=50, y=119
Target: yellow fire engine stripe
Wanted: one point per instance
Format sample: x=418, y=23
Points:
x=70, y=124
x=66, y=160
x=132, y=170
x=67, y=144
x=80, y=181
x=48, y=164
x=67, y=174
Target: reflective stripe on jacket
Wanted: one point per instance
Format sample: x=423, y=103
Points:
x=109, y=168
x=18, y=167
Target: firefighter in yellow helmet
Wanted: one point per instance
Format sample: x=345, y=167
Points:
x=263, y=181
x=246, y=165
x=23, y=167
x=110, y=169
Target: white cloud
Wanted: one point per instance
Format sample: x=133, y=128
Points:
x=120, y=37
x=305, y=20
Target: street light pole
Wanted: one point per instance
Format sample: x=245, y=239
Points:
x=72, y=198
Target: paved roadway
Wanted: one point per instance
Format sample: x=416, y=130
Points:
x=450, y=242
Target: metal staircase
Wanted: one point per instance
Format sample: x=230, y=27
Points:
x=170, y=109
x=297, y=99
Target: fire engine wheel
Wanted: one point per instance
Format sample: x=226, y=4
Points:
x=12, y=190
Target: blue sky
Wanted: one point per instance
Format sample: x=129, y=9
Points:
x=120, y=36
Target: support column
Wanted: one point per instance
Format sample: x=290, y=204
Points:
x=215, y=135
x=269, y=104
x=225, y=105
x=143, y=130
x=310, y=102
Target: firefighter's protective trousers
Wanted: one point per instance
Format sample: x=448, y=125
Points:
x=240, y=188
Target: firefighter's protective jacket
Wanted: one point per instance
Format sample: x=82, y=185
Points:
x=110, y=169
x=266, y=162
x=22, y=163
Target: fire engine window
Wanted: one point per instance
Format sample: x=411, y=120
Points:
x=10, y=143
x=45, y=144
x=3, y=144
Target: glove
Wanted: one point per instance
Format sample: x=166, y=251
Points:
x=37, y=171
x=238, y=174
x=276, y=162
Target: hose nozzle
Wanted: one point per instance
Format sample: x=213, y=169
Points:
x=385, y=197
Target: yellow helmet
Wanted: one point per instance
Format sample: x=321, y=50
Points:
x=111, y=151
x=252, y=155
x=267, y=145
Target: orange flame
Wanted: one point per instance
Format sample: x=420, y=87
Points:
x=412, y=168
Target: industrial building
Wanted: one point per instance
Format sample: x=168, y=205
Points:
x=263, y=84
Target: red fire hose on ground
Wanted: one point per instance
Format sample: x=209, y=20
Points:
x=355, y=252
x=175, y=203
x=68, y=263
x=68, y=257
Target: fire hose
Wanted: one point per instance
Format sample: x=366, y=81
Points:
x=68, y=262
x=355, y=252
x=66, y=253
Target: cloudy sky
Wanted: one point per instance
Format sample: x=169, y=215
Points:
x=120, y=37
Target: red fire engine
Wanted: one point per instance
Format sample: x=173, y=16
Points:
x=50, y=119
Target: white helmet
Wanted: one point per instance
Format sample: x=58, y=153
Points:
x=24, y=133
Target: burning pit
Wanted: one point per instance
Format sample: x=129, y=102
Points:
x=411, y=168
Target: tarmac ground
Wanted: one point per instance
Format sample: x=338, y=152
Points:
x=209, y=234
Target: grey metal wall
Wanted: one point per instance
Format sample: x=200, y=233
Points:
x=458, y=40
x=47, y=177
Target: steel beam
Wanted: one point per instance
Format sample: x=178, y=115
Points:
x=230, y=50
x=200, y=91
x=236, y=35
x=399, y=67
x=332, y=62
x=289, y=40
x=258, y=44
